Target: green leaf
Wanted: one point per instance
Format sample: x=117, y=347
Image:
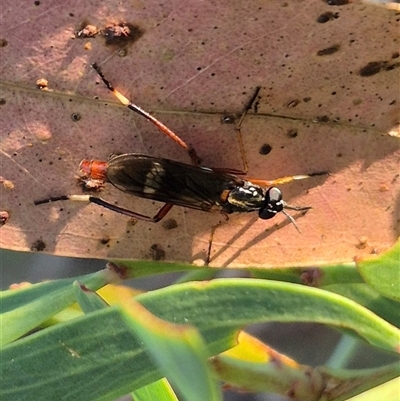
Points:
x=25, y=309
x=388, y=391
x=157, y=391
x=178, y=350
x=371, y=299
x=383, y=272
x=100, y=344
x=238, y=302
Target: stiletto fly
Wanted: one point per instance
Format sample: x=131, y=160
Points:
x=174, y=183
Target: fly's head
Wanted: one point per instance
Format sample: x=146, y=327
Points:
x=272, y=204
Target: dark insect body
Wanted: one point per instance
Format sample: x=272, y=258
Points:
x=175, y=183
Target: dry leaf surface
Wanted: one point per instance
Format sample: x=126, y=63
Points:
x=322, y=107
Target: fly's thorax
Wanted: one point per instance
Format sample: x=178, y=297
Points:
x=246, y=198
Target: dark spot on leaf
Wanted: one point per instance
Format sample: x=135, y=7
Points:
x=329, y=50
x=2, y=101
x=306, y=99
x=36, y=3
x=38, y=246
x=104, y=240
x=3, y=42
x=293, y=103
x=371, y=68
x=265, y=149
x=122, y=34
x=292, y=133
x=321, y=119
x=328, y=16
x=157, y=253
x=337, y=2
x=75, y=117
x=392, y=66
x=395, y=55
x=169, y=224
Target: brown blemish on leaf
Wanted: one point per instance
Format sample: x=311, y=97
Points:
x=321, y=119
x=371, y=68
x=75, y=117
x=86, y=31
x=169, y=224
x=121, y=34
x=7, y=184
x=42, y=84
x=3, y=42
x=120, y=271
x=312, y=277
x=328, y=16
x=157, y=253
x=104, y=240
x=122, y=52
x=265, y=149
x=362, y=243
x=337, y=2
x=328, y=50
x=38, y=245
x=4, y=216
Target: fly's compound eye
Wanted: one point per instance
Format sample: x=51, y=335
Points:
x=273, y=204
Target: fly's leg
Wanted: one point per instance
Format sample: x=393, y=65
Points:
x=163, y=128
x=248, y=107
x=98, y=201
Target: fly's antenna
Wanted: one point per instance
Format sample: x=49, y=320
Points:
x=297, y=208
x=292, y=220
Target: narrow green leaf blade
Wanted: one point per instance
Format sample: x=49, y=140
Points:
x=383, y=272
x=160, y=390
x=178, y=350
x=25, y=309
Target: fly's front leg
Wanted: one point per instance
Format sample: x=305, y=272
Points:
x=162, y=127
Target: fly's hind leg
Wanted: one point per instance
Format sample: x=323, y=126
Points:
x=162, y=127
x=101, y=202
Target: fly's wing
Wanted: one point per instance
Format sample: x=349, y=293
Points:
x=169, y=181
